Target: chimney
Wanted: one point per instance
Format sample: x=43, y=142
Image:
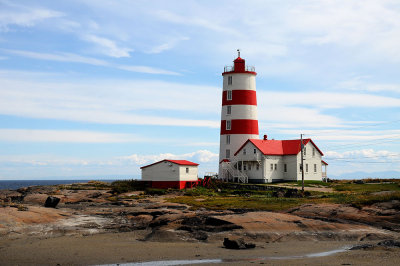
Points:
x=265, y=137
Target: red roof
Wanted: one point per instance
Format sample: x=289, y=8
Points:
x=324, y=162
x=180, y=162
x=279, y=147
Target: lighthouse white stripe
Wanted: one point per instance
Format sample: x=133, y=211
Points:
x=236, y=142
x=239, y=112
x=240, y=82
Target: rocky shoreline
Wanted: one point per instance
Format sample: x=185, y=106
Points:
x=88, y=211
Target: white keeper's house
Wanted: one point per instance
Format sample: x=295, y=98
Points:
x=266, y=161
x=246, y=158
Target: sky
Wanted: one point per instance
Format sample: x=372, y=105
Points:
x=96, y=88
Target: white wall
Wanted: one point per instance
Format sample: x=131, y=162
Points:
x=166, y=171
x=240, y=81
x=310, y=160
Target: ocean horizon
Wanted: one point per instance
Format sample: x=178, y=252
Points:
x=15, y=184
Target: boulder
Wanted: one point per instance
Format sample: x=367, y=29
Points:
x=51, y=202
x=237, y=244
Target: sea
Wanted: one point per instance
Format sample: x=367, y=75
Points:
x=15, y=184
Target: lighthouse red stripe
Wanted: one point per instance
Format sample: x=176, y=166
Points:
x=240, y=126
x=244, y=97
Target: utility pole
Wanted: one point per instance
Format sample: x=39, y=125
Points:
x=302, y=164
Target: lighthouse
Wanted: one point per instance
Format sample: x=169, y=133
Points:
x=239, y=120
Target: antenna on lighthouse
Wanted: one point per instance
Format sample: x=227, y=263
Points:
x=238, y=50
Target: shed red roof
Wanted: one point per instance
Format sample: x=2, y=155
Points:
x=180, y=162
x=279, y=147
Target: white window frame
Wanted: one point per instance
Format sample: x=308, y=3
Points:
x=230, y=79
x=228, y=109
x=228, y=124
x=229, y=95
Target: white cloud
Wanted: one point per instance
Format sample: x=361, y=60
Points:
x=95, y=101
x=60, y=57
x=107, y=46
x=361, y=83
x=12, y=14
x=200, y=156
x=166, y=46
x=74, y=58
x=72, y=136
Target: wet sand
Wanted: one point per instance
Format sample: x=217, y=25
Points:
x=112, y=248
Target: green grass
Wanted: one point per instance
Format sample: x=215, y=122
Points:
x=373, y=187
x=240, y=202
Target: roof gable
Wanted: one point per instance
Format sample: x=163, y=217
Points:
x=179, y=162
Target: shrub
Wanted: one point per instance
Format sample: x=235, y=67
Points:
x=122, y=186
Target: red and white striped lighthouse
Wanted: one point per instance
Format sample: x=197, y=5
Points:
x=239, y=121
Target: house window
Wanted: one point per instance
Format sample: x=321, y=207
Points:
x=272, y=167
x=285, y=167
x=255, y=151
x=276, y=167
x=229, y=95
x=306, y=167
x=244, y=167
x=304, y=151
x=315, y=168
x=228, y=124
x=313, y=152
x=244, y=151
x=258, y=167
x=249, y=166
x=228, y=139
x=228, y=110
x=228, y=153
x=229, y=80
x=301, y=169
x=187, y=170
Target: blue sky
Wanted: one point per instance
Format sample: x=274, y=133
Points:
x=100, y=88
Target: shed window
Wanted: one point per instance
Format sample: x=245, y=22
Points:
x=187, y=170
x=228, y=124
x=229, y=95
x=285, y=168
